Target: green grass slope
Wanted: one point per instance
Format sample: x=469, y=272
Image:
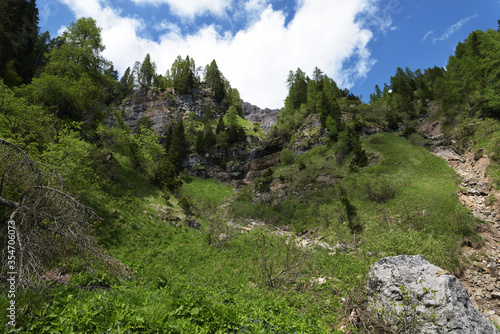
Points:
x=404, y=200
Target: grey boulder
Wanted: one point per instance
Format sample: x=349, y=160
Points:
x=411, y=295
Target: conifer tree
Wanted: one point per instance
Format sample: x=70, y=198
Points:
x=178, y=146
x=184, y=76
x=126, y=84
x=18, y=38
x=221, y=127
x=210, y=139
x=145, y=72
x=200, y=142
x=167, y=137
x=235, y=132
x=235, y=100
x=214, y=80
x=297, y=93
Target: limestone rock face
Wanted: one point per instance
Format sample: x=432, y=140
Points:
x=266, y=117
x=416, y=296
x=162, y=106
x=234, y=164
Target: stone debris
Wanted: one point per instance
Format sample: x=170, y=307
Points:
x=482, y=276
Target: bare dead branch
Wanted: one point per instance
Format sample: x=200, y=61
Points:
x=8, y=203
x=50, y=225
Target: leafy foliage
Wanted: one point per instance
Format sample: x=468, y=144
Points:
x=286, y=156
x=73, y=82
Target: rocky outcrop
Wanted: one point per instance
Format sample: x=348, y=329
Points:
x=234, y=164
x=161, y=106
x=414, y=296
x=267, y=118
x=262, y=158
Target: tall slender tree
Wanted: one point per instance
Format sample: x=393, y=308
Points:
x=215, y=80
x=18, y=37
x=178, y=146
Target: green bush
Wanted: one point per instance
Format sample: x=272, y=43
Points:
x=185, y=203
x=263, y=183
x=74, y=158
x=416, y=139
x=408, y=131
x=165, y=175
x=380, y=189
x=287, y=157
x=302, y=165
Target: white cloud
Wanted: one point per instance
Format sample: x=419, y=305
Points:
x=427, y=35
x=255, y=60
x=190, y=8
x=451, y=30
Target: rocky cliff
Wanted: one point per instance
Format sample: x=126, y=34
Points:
x=267, y=118
x=235, y=164
x=161, y=106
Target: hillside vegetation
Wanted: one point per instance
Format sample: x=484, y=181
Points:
x=284, y=251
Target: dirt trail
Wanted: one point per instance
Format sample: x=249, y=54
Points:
x=482, y=275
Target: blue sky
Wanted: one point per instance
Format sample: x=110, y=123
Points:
x=359, y=43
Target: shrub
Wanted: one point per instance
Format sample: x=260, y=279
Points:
x=302, y=165
x=287, y=157
x=165, y=175
x=416, y=139
x=392, y=121
x=268, y=172
x=263, y=183
x=185, y=204
x=360, y=159
x=380, y=190
x=279, y=260
x=214, y=219
x=143, y=123
x=350, y=214
x=408, y=131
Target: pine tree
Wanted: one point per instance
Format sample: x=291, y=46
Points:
x=126, y=84
x=210, y=139
x=297, y=94
x=167, y=137
x=146, y=72
x=235, y=100
x=178, y=146
x=214, y=80
x=184, y=76
x=200, y=142
x=165, y=175
x=221, y=127
x=235, y=132
x=18, y=37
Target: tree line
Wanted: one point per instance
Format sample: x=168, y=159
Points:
x=468, y=86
